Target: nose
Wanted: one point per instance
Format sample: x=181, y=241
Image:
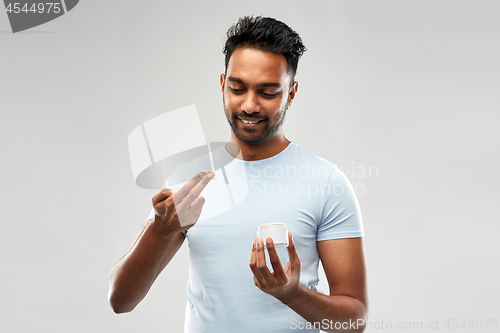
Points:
x=250, y=103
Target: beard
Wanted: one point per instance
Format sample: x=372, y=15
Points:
x=254, y=136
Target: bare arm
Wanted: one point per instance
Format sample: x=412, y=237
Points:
x=156, y=244
x=345, y=309
x=132, y=277
x=347, y=304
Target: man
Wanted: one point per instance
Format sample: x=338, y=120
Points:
x=286, y=184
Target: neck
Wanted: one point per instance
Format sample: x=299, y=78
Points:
x=257, y=151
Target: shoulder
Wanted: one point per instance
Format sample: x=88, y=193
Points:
x=316, y=165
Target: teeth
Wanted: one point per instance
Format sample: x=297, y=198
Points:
x=249, y=122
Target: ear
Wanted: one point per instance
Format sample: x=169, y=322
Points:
x=222, y=82
x=293, y=91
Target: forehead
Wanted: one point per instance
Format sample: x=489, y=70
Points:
x=255, y=66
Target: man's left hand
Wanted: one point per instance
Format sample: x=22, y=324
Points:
x=284, y=282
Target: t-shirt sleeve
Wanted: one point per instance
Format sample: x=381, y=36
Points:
x=341, y=217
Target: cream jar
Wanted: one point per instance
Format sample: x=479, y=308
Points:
x=277, y=231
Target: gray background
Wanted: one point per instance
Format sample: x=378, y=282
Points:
x=408, y=88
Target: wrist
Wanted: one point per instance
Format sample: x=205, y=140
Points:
x=158, y=233
x=294, y=297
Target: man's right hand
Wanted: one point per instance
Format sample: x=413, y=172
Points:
x=178, y=210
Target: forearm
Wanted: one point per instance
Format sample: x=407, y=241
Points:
x=132, y=277
x=330, y=313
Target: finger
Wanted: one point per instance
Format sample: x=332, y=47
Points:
x=195, y=192
x=253, y=259
x=190, y=222
x=287, y=268
x=176, y=195
x=279, y=274
x=162, y=201
x=180, y=194
x=196, y=215
x=196, y=206
x=258, y=279
x=268, y=279
x=292, y=254
x=161, y=196
x=256, y=282
x=192, y=213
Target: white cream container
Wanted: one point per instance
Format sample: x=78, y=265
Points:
x=277, y=231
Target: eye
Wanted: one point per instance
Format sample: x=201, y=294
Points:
x=237, y=91
x=267, y=95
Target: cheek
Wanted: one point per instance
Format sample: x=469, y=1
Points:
x=231, y=102
x=277, y=104
x=284, y=100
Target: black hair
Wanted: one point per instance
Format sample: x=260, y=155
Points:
x=266, y=34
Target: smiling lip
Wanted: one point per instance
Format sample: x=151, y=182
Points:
x=250, y=121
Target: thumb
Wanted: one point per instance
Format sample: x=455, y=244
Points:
x=292, y=254
x=287, y=268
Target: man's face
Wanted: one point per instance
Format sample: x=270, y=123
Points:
x=256, y=93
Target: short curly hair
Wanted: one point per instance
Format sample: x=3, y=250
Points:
x=266, y=34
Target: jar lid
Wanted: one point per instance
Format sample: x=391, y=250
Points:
x=272, y=225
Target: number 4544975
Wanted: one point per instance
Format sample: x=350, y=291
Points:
x=36, y=8
x=471, y=324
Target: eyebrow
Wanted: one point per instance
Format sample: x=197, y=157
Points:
x=265, y=84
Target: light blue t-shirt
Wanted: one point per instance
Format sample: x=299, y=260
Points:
x=307, y=193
